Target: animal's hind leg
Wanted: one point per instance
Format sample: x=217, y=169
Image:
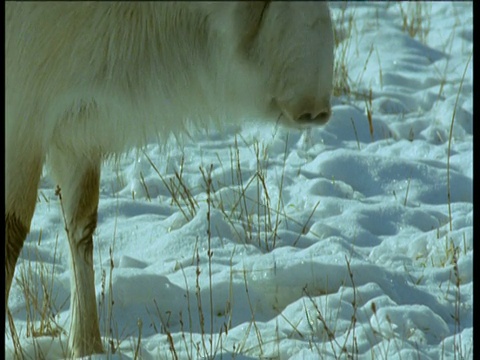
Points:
x=21, y=184
x=78, y=178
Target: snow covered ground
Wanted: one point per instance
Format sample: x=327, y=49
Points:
x=353, y=240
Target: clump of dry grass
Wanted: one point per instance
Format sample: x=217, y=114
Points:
x=416, y=19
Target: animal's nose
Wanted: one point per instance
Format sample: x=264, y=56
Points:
x=319, y=117
x=308, y=112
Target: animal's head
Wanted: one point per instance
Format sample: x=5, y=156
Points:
x=292, y=43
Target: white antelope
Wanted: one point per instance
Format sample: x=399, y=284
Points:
x=85, y=80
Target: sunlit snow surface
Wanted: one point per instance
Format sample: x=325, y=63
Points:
x=328, y=243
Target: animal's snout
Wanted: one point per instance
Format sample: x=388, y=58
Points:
x=308, y=112
x=319, y=117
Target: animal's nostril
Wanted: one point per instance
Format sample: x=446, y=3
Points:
x=306, y=117
x=321, y=117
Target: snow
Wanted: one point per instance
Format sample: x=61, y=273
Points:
x=324, y=243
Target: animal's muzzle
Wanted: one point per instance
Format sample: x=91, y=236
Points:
x=318, y=118
x=306, y=112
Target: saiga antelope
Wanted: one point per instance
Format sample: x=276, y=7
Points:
x=85, y=80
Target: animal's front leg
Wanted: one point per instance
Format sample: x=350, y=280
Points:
x=22, y=174
x=78, y=180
